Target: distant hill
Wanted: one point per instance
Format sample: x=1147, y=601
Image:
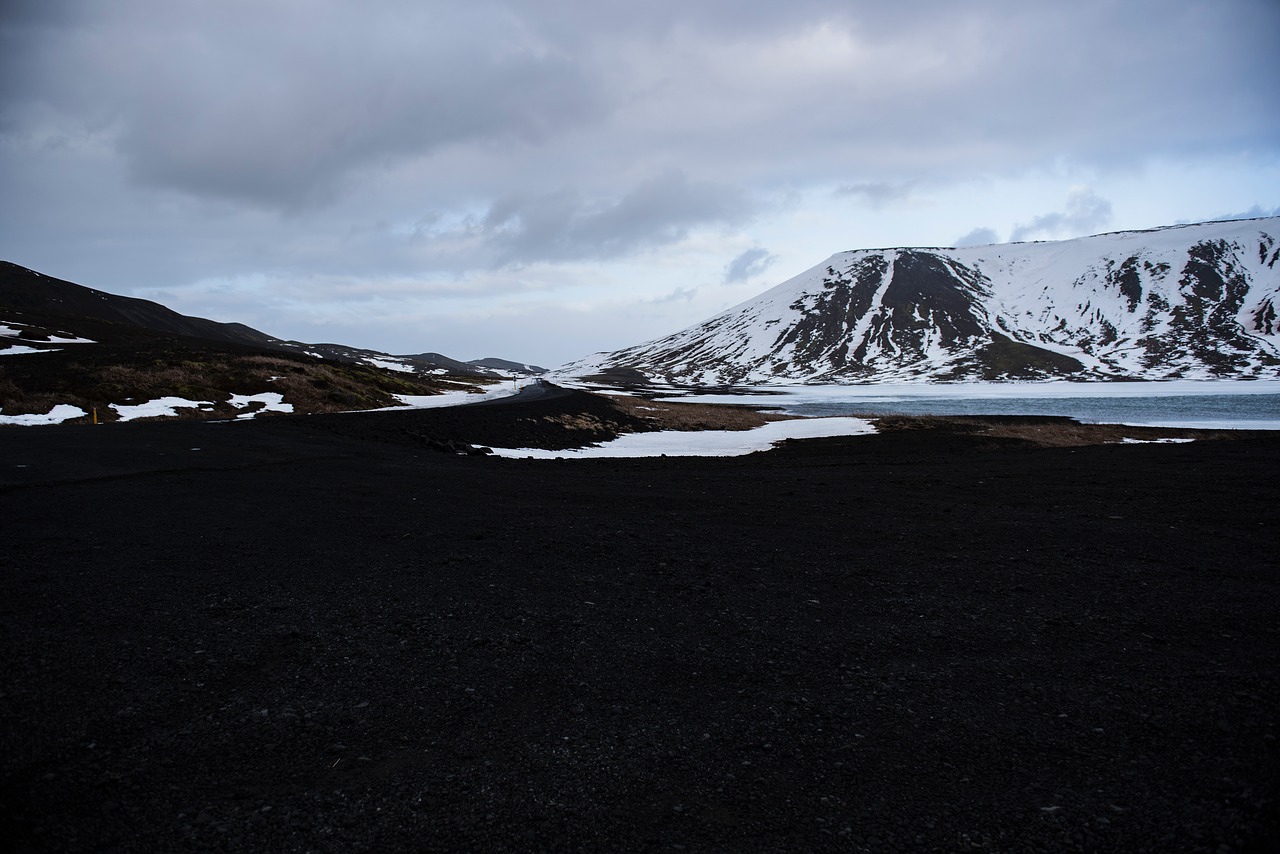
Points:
x=27, y=290
x=507, y=367
x=1194, y=301
x=84, y=350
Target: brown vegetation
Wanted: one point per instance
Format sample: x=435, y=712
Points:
x=1037, y=430
x=1045, y=431
x=695, y=416
x=94, y=379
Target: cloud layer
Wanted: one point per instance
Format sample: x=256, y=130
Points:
x=1085, y=212
x=159, y=143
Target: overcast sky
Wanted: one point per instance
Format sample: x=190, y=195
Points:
x=541, y=180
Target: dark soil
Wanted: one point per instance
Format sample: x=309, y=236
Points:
x=317, y=634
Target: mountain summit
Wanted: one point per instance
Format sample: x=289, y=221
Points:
x=1192, y=301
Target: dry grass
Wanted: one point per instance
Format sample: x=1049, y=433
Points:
x=583, y=421
x=1044, y=432
x=695, y=416
x=1048, y=433
x=310, y=385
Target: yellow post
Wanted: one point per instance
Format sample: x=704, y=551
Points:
x=95, y=415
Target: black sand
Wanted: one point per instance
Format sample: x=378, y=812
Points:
x=315, y=634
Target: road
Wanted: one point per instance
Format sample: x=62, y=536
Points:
x=537, y=390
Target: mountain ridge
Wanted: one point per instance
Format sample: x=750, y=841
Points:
x=1185, y=301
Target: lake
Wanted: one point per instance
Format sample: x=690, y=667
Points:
x=1205, y=404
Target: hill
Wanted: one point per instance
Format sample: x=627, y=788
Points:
x=1196, y=301
x=95, y=354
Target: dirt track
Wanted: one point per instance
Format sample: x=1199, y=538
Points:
x=316, y=634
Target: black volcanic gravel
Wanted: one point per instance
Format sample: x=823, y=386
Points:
x=316, y=634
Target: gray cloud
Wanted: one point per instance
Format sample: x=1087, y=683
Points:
x=298, y=147
x=751, y=263
x=1254, y=212
x=1085, y=212
x=278, y=104
x=24, y=13
x=877, y=193
x=980, y=236
x=678, y=295
x=564, y=225
x=286, y=105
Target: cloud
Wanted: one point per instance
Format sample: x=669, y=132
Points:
x=678, y=295
x=566, y=226
x=877, y=193
x=281, y=104
x=1086, y=212
x=978, y=237
x=749, y=264
x=1255, y=212
x=289, y=106
x=20, y=13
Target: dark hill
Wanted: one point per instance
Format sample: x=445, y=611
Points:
x=28, y=291
x=82, y=347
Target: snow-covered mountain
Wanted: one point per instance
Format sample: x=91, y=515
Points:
x=1192, y=301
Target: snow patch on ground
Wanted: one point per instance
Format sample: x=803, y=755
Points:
x=61, y=412
x=1165, y=441
x=164, y=406
x=704, y=443
x=7, y=331
x=21, y=350
x=271, y=402
x=390, y=365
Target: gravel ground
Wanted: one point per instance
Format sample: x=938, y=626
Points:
x=318, y=634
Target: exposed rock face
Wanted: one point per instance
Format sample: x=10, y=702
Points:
x=1193, y=301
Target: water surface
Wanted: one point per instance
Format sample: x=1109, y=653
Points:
x=1206, y=404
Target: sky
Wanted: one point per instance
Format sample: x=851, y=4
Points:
x=539, y=181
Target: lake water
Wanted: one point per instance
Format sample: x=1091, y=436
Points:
x=1205, y=404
